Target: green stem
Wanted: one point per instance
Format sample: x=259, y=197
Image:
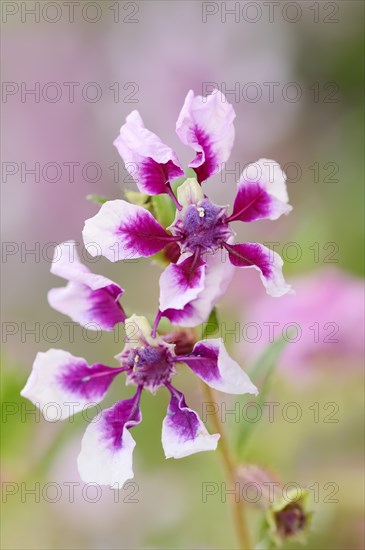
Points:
x=238, y=509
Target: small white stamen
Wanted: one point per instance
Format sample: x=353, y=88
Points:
x=136, y=358
x=201, y=211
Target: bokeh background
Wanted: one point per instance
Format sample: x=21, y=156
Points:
x=146, y=55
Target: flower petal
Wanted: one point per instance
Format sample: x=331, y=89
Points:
x=137, y=330
x=88, y=299
x=218, y=274
x=98, y=309
x=183, y=433
x=261, y=193
x=181, y=283
x=266, y=261
x=106, y=455
x=206, y=125
x=190, y=192
x=121, y=231
x=149, y=161
x=61, y=384
x=211, y=362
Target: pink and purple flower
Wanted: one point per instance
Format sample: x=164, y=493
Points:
x=199, y=272
x=204, y=123
x=201, y=229
x=149, y=363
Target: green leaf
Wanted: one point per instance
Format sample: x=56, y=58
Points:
x=268, y=360
x=190, y=173
x=160, y=259
x=261, y=375
x=164, y=326
x=211, y=326
x=160, y=206
x=97, y=198
x=139, y=199
x=163, y=209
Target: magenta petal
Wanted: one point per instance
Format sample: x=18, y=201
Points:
x=144, y=235
x=153, y=176
x=59, y=377
x=87, y=382
x=252, y=202
x=121, y=231
x=206, y=125
x=266, y=261
x=94, y=309
x=148, y=160
x=105, y=310
x=261, y=193
x=123, y=415
x=181, y=283
x=88, y=299
x=218, y=274
x=106, y=455
x=211, y=362
x=183, y=433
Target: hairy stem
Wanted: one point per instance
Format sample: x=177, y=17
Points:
x=238, y=511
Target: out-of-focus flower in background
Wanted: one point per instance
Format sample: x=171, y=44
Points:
x=323, y=323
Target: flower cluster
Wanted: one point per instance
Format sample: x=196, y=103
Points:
x=201, y=251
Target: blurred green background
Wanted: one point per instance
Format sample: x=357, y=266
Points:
x=146, y=56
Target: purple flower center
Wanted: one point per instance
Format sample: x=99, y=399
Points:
x=202, y=226
x=291, y=520
x=150, y=366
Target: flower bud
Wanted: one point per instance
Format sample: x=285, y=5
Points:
x=184, y=340
x=287, y=516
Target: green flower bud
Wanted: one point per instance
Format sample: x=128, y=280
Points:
x=288, y=517
x=286, y=509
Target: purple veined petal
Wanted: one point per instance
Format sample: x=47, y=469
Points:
x=211, y=362
x=107, y=447
x=261, y=193
x=61, y=384
x=182, y=282
x=206, y=125
x=148, y=160
x=88, y=299
x=94, y=309
x=121, y=231
x=218, y=275
x=266, y=261
x=66, y=264
x=183, y=433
